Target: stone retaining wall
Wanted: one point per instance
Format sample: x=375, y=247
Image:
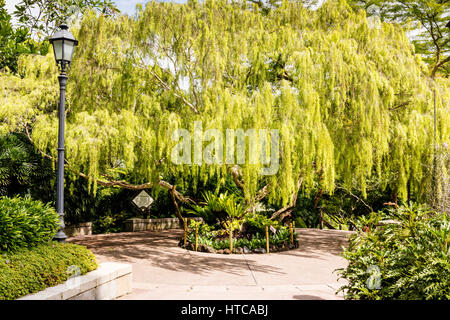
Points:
x=82, y=229
x=109, y=281
x=136, y=224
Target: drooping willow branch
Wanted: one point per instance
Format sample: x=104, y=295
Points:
x=111, y=182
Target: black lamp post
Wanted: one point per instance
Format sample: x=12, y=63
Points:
x=63, y=43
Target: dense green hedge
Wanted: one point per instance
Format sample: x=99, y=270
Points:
x=31, y=270
x=25, y=223
x=406, y=260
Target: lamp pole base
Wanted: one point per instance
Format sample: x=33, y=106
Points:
x=60, y=236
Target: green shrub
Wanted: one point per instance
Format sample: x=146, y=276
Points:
x=299, y=223
x=222, y=207
x=108, y=223
x=25, y=223
x=407, y=260
x=203, y=228
x=257, y=223
x=31, y=270
x=257, y=240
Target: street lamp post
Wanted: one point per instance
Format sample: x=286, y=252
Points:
x=63, y=43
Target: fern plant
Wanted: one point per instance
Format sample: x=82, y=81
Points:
x=411, y=256
x=223, y=208
x=17, y=164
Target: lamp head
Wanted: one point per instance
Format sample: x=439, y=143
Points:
x=63, y=43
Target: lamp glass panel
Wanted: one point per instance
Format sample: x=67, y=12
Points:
x=68, y=50
x=57, y=49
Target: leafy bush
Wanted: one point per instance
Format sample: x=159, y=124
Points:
x=299, y=223
x=257, y=223
x=411, y=257
x=345, y=203
x=31, y=270
x=306, y=211
x=25, y=223
x=15, y=41
x=282, y=235
x=203, y=228
x=338, y=222
x=219, y=207
x=214, y=239
x=108, y=223
x=20, y=165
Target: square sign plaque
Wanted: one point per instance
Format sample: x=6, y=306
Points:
x=143, y=200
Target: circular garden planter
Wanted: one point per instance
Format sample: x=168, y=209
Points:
x=208, y=249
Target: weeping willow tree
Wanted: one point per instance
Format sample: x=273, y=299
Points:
x=348, y=95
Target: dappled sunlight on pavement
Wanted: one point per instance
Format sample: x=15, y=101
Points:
x=162, y=270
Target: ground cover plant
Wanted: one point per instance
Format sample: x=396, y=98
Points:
x=29, y=260
x=406, y=257
x=29, y=270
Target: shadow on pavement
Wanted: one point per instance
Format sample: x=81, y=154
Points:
x=160, y=249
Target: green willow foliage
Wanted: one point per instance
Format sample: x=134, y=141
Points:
x=348, y=95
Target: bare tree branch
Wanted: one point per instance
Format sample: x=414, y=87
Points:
x=338, y=186
x=438, y=65
x=166, y=86
x=177, y=208
x=285, y=211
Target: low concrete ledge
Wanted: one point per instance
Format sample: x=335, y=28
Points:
x=82, y=229
x=109, y=281
x=136, y=224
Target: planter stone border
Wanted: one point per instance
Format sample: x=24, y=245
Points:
x=239, y=250
x=109, y=281
x=137, y=224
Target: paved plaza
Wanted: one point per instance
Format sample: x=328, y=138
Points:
x=162, y=270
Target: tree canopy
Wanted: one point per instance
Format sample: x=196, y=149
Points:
x=349, y=96
x=429, y=20
x=42, y=17
x=15, y=41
